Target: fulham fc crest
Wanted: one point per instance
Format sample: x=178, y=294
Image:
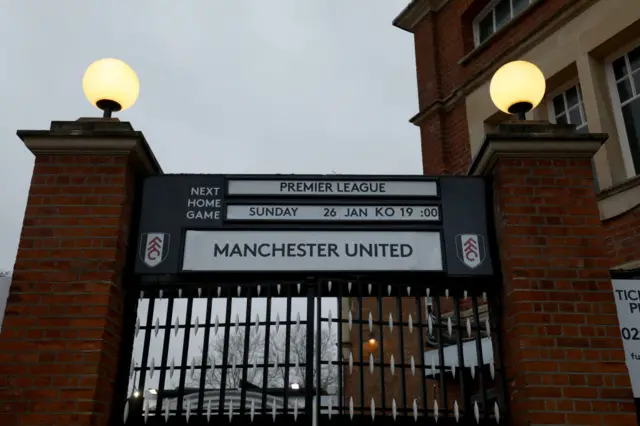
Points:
x=470, y=249
x=154, y=248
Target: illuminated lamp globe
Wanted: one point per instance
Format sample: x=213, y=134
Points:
x=517, y=88
x=111, y=85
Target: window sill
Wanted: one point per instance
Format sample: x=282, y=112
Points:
x=619, y=199
x=485, y=44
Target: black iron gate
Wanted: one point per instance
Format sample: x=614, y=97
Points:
x=310, y=352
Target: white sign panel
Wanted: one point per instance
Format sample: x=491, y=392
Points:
x=333, y=213
x=334, y=188
x=627, y=296
x=312, y=251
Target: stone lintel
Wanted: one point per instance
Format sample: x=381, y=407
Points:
x=534, y=139
x=93, y=136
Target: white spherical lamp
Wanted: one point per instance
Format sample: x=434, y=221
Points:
x=111, y=85
x=517, y=88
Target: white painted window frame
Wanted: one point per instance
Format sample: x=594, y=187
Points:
x=561, y=90
x=487, y=10
x=616, y=106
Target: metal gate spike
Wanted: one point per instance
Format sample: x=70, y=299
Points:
x=350, y=362
x=166, y=413
x=466, y=295
x=126, y=412
x=429, y=324
x=298, y=322
x=199, y=291
x=188, y=410
x=195, y=327
x=141, y=294
x=298, y=285
x=215, y=325
x=277, y=321
x=179, y=293
x=496, y=412
x=415, y=409
x=295, y=409
x=350, y=320
x=370, y=322
x=390, y=323
x=410, y=324
x=153, y=367
x=176, y=326
x=233, y=366
x=389, y=289
x=446, y=293
x=428, y=291
x=132, y=369
x=488, y=325
x=349, y=287
x=209, y=410
x=433, y=367
x=456, y=411
x=435, y=410
x=275, y=362
x=257, y=321
x=413, y=366
x=492, y=370
x=237, y=322
x=408, y=290
x=369, y=288
x=160, y=294
x=239, y=291
x=329, y=286
x=156, y=327
x=137, y=329
x=329, y=318
x=472, y=368
x=392, y=366
x=453, y=367
x=330, y=408
x=449, y=326
x=146, y=410
x=476, y=411
x=219, y=291
x=273, y=409
x=171, y=368
x=230, y=409
x=371, y=363
x=373, y=408
x=258, y=289
x=253, y=408
x=468, y=327
x=193, y=367
x=351, y=407
x=484, y=296
x=394, y=409
x=278, y=288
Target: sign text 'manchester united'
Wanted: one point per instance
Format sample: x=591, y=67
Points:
x=389, y=188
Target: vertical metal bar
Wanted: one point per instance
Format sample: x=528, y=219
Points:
x=361, y=348
x=383, y=405
x=205, y=352
x=121, y=387
x=318, y=349
x=225, y=352
x=443, y=371
x=308, y=379
x=423, y=381
x=458, y=328
x=403, y=380
x=185, y=354
x=340, y=358
x=287, y=350
x=494, y=308
x=479, y=355
x=245, y=353
x=267, y=344
x=145, y=346
x=165, y=353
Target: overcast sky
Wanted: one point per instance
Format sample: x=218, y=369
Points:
x=233, y=86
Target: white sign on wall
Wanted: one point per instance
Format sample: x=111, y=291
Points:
x=627, y=296
x=334, y=188
x=333, y=213
x=312, y=251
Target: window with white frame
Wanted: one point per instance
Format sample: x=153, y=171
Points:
x=567, y=107
x=625, y=77
x=497, y=14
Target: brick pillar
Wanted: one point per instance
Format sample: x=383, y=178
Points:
x=563, y=351
x=60, y=342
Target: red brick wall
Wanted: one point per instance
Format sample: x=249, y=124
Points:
x=441, y=40
x=61, y=333
x=564, y=357
x=623, y=237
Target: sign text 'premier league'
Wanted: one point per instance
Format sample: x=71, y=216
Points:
x=333, y=213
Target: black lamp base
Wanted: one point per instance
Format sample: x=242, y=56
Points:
x=520, y=109
x=108, y=106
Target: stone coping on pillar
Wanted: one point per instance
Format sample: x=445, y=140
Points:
x=534, y=139
x=93, y=136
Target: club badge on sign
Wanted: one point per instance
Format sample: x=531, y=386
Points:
x=154, y=248
x=470, y=249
